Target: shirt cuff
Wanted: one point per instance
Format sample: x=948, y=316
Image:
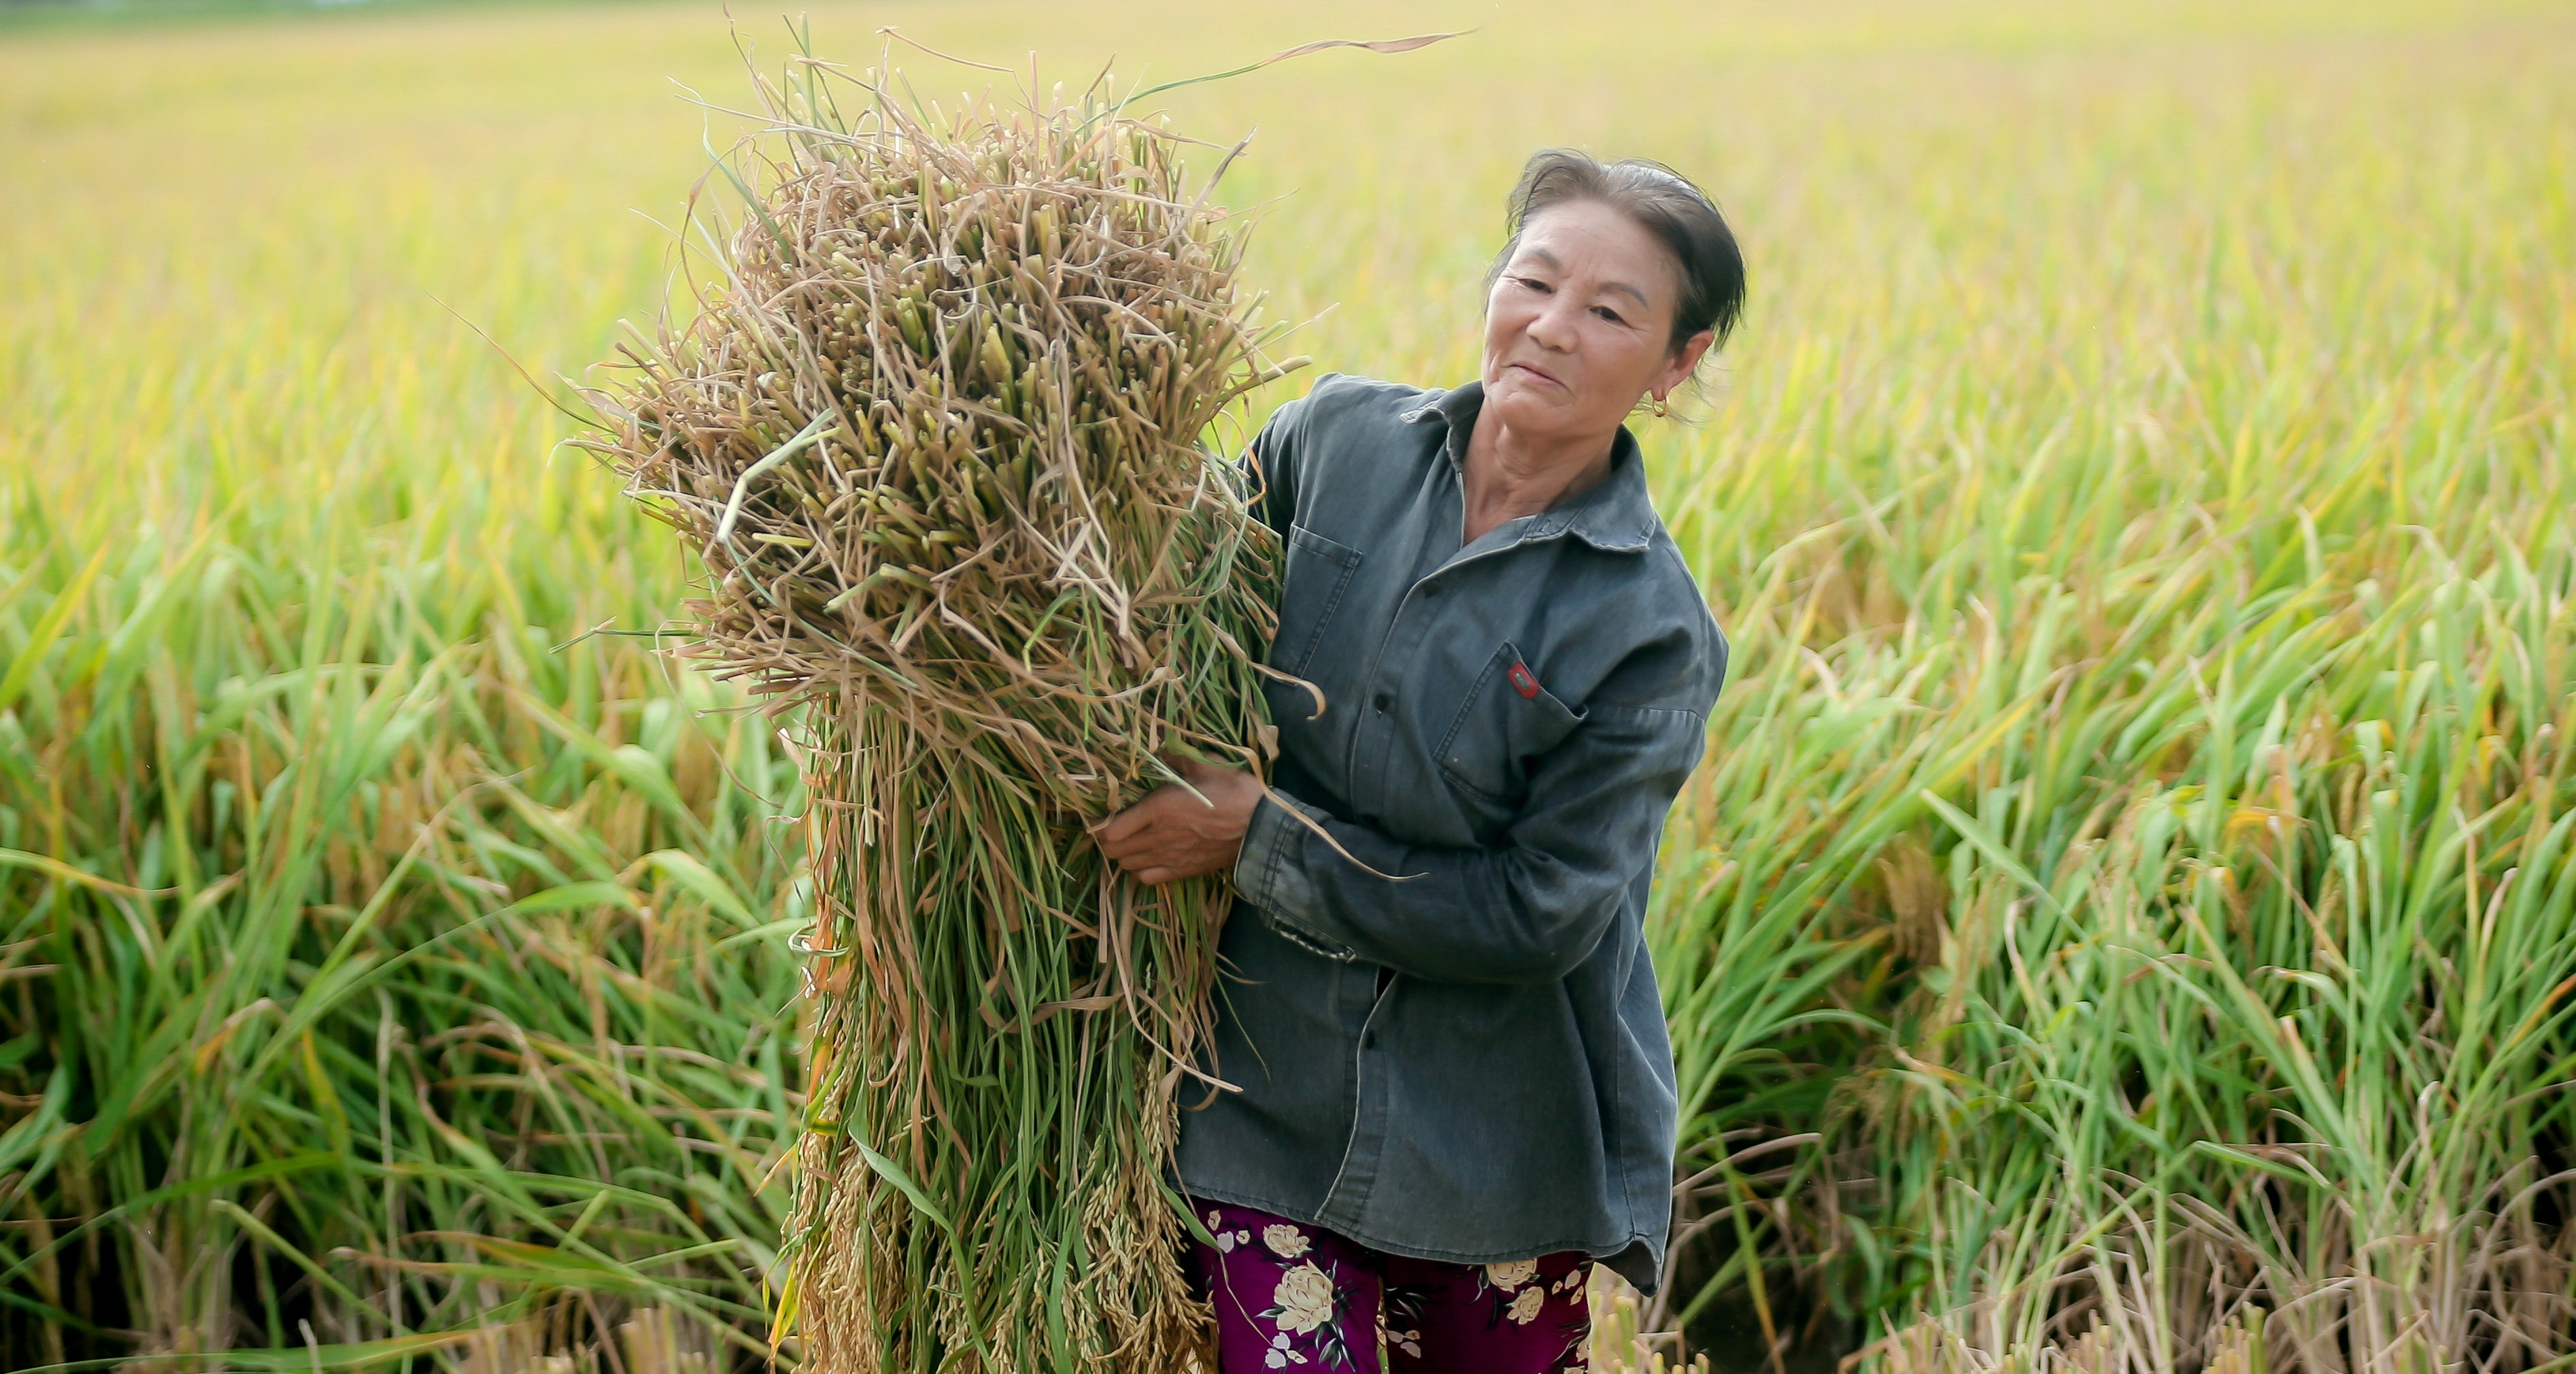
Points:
x=1268, y=872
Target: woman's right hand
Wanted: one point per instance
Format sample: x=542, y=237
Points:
x=1172, y=835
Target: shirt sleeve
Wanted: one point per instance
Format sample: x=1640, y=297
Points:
x=1529, y=912
x=1270, y=465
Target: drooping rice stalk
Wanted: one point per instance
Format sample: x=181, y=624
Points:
x=937, y=440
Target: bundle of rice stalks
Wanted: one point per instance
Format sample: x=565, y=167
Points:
x=936, y=434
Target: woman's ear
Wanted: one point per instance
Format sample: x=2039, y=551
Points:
x=1684, y=362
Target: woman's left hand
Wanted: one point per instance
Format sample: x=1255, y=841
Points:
x=1171, y=835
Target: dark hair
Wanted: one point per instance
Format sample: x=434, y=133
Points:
x=1665, y=204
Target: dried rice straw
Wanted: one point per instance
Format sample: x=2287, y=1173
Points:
x=936, y=435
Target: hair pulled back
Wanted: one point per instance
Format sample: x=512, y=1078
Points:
x=1665, y=204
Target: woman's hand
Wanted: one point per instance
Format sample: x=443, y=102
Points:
x=1171, y=835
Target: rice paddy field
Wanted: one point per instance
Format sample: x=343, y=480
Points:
x=2126, y=921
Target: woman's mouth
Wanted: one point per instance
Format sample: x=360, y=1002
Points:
x=1540, y=373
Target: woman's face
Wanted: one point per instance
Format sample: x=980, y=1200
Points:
x=1579, y=324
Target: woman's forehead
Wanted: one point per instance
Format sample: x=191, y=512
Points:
x=1597, y=240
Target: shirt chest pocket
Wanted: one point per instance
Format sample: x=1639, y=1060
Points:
x=1505, y=725
x=1319, y=576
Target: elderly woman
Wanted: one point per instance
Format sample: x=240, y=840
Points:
x=1455, y=1089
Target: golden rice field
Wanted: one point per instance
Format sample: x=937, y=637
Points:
x=2126, y=921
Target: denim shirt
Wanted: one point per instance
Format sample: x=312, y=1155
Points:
x=1436, y=1000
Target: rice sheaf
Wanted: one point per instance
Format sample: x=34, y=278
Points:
x=941, y=432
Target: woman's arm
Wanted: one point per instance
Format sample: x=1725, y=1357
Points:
x=1528, y=912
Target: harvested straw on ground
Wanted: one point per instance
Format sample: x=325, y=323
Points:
x=936, y=435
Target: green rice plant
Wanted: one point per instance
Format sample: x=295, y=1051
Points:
x=2220, y=529
x=2280, y=1030
x=399, y=1014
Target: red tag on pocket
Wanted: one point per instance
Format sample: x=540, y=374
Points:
x=1524, y=681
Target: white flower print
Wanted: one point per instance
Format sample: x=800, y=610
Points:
x=1511, y=1274
x=1279, y=1356
x=1304, y=1299
x=1524, y=1309
x=1284, y=1240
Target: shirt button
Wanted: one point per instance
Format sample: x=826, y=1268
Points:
x=1432, y=590
x=1384, y=700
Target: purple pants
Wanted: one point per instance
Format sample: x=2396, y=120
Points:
x=1293, y=1296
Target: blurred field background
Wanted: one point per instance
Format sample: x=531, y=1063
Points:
x=2125, y=923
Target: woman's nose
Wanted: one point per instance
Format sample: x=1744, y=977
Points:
x=1553, y=329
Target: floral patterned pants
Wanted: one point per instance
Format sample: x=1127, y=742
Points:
x=1297, y=1297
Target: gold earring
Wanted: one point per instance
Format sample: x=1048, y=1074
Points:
x=1659, y=408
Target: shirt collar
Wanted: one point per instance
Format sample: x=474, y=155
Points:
x=1617, y=515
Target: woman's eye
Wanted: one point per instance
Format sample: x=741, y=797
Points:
x=1534, y=284
x=1609, y=314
